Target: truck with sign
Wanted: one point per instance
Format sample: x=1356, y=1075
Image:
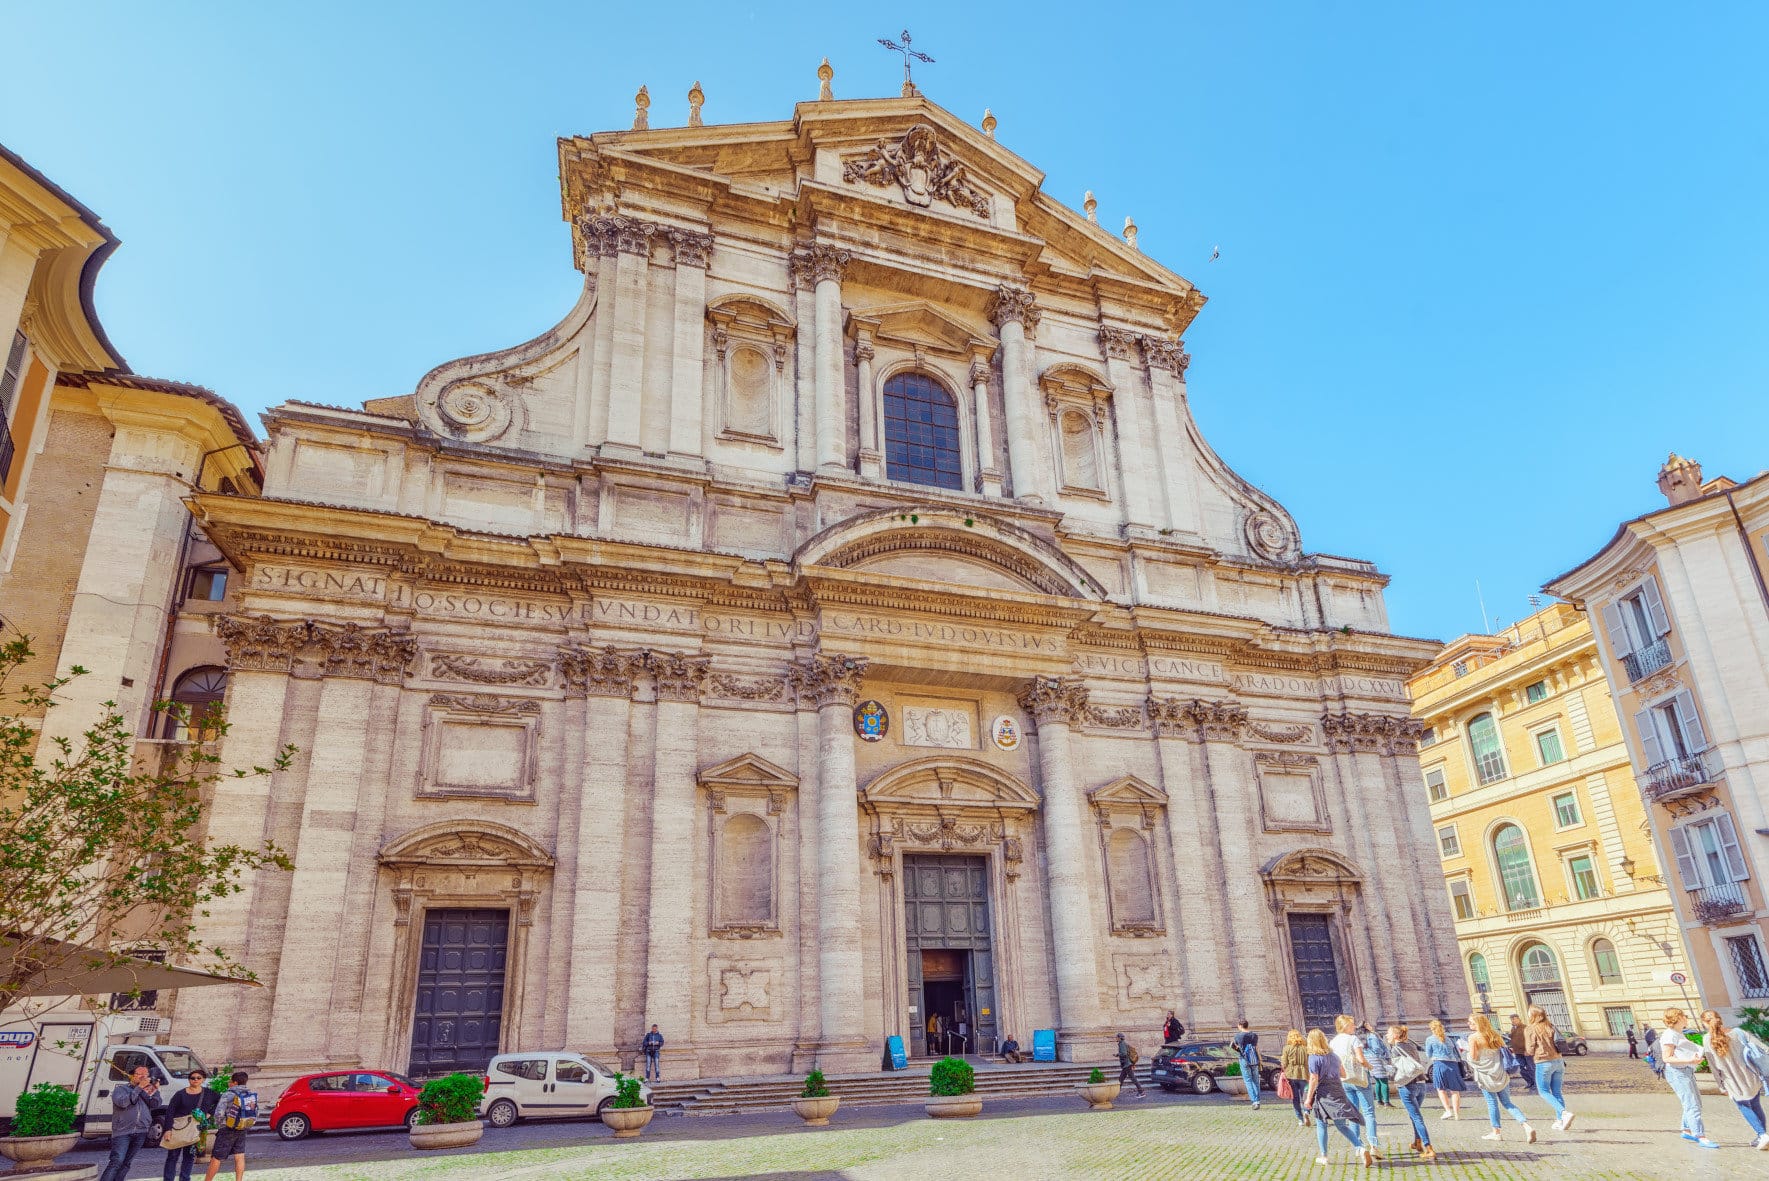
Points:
x=89, y=1052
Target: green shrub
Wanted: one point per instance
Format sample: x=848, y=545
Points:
x=1095, y=1077
x=221, y=1079
x=1232, y=1070
x=815, y=1086
x=451, y=1099
x=626, y=1092
x=45, y=1110
x=1755, y=1022
x=952, y=1076
x=1695, y=1035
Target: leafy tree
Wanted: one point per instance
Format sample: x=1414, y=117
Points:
x=97, y=850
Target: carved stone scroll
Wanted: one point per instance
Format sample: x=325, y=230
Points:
x=924, y=170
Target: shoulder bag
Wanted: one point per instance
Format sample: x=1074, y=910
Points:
x=181, y=1133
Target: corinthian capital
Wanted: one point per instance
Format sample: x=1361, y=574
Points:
x=1371, y=733
x=1118, y=344
x=679, y=677
x=692, y=249
x=1169, y=355
x=810, y=265
x=822, y=680
x=601, y=672
x=618, y=234
x=1054, y=699
x=373, y=653
x=260, y=643
x=1218, y=721
x=1011, y=303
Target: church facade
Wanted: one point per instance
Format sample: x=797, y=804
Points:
x=835, y=621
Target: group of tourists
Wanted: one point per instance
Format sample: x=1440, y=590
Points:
x=139, y=1117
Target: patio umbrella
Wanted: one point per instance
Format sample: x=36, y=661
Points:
x=66, y=969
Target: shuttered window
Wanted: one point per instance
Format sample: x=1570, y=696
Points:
x=15, y=365
x=1707, y=853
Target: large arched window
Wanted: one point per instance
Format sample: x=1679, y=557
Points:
x=921, y=432
x=1608, y=963
x=198, y=693
x=1477, y=971
x=1515, y=870
x=1539, y=973
x=1485, y=747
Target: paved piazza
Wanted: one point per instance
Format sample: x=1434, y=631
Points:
x=1623, y=1114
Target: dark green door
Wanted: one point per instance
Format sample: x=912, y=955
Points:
x=946, y=908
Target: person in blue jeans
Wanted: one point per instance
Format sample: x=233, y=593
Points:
x=1550, y=1070
x=132, y=1121
x=1485, y=1057
x=1408, y=1061
x=1354, y=1068
x=1247, y=1048
x=1326, y=1100
x=653, y=1048
x=1681, y=1056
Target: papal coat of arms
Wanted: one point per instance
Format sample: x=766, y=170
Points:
x=871, y=722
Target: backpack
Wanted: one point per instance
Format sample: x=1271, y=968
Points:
x=242, y=1109
x=1134, y=1056
x=1508, y=1059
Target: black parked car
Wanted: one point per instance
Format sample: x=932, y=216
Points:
x=1196, y=1067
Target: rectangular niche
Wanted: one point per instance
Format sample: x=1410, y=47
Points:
x=1291, y=798
x=479, y=744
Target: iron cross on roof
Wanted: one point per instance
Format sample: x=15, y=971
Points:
x=908, y=85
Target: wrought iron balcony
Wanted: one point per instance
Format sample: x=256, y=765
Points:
x=1647, y=660
x=1716, y=903
x=1675, y=778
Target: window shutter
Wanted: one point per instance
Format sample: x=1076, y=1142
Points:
x=1694, y=737
x=1652, y=751
x=1618, y=630
x=1655, y=607
x=1687, y=867
x=1728, y=838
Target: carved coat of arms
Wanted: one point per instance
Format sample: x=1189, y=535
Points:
x=925, y=171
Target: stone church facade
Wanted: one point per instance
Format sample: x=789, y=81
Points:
x=836, y=619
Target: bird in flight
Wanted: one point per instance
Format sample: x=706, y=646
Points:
x=1215, y=253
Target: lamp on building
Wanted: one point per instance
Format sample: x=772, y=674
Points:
x=1629, y=868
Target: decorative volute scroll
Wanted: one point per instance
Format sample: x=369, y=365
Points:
x=1268, y=537
x=1055, y=699
x=924, y=170
x=822, y=680
x=1011, y=303
x=1374, y=733
x=601, y=672
x=313, y=648
x=679, y=677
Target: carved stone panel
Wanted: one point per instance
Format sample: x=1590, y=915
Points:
x=479, y=744
x=1140, y=981
x=1291, y=796
x=744, y=990
x=951, y=726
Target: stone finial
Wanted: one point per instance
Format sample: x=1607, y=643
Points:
x=696, y=100
x=1680, y=479
x=1130, y=234
x=825, y=74
x=989, y=123
x=1090, y=207
x=641, y=103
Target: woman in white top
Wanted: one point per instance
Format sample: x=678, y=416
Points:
x=1356, y=1076
x=1728, y=1052
x=1681, y=1057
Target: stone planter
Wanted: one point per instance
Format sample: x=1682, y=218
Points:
x=35, y=1152
x=1099, y=1096
x=816, y=1112
x=447, y=1135
x=954, y=1106
x=627, y=1122
x=1232, y=1085
x=54, y=1172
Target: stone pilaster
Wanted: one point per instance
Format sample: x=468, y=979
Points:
x=1197, y=858
x=1354, y=741
x=601, y=251
x=824, y=265
x=1013, y=311
x=687, y=398
x=988, y=475
x=1055, y=704
x=871, y=454
x=631, y=241
x=1142, y=488
x=830, y=684
x=669, y=957
x=1408, y=827
x=1166, y=362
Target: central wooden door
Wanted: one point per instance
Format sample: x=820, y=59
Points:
x=1317, y=970
x=458, y=1014
x=946, y=909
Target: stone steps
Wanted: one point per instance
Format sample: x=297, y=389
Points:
x=776, y=1092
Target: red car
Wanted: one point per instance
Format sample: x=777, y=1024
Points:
x=344, y=1099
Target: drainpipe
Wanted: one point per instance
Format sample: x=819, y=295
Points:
x=1750, y=551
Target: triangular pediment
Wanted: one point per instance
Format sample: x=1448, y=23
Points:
x=1130, y=792
x=916, y=324
x=748, y=771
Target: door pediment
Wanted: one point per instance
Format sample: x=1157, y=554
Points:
x=940, y=783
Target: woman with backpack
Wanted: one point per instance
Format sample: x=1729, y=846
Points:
x=1486, y=1056
x=1735, y=1057
x=1326, y=1099
x=1376, y=1050
x=1681, y=1056
x=1446, y=1071
x=1539, y=1043
x=1412, y=1080
x=1295, y=1071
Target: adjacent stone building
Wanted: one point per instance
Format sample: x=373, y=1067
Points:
x=835, y=619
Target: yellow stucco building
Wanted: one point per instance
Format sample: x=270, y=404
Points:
x=1558, y=895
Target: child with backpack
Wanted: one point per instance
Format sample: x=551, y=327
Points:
x=234, y=1117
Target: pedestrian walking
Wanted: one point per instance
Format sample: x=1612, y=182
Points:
x=1655, y=1055
x=1172, y=1029
x=1246, y=1044
x=1127, y=1059
x=1737, y=1059
x=133, y=1108
x=1518, y=1040
x=1381, y=1071
x=183, y=1133
x=1486, y=1058
x=1412, y=1080
x=653, y=1048
x=1354, y=1076
x=1328, y=1103
x=1446, y=1071
x=1681, y=1056
x=235, y=1114
x=1295, y=1068
x=1633, y=1044
x=1550, y=1066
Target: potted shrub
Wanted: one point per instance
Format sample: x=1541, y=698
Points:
x=42, y=1128
x=448, y=1112
x=1098, y=1092
x=629, y=1113
x=952, y=1090
x=815, y=1104
x=1230, y=1081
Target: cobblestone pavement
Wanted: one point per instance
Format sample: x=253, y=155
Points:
x=1625, y=1129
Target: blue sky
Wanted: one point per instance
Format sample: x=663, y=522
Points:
x=1482, y=265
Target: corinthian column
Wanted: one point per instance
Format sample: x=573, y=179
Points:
x=1013, y=312
x=831, y=685
x=1054, y=705
x=1228, y=779
x=871, y=454
x=826, y=264
x=669, y=974
x=988, y=474
x=626, y=383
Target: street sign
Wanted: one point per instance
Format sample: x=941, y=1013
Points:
x=1679, y=979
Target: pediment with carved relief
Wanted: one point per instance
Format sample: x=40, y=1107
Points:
x=945, y=782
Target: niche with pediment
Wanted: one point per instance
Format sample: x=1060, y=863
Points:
x=751, y=341
x=1079, y=403
x=1128, y=812
x=746, y=800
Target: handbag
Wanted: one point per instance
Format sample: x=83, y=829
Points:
x=181, y=1133
x=1285, y=1090
x=1407, y=1068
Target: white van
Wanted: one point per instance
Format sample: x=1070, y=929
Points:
x=88, y=1052
x=546, y=1084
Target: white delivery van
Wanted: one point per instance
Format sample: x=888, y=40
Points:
x=547, y=1084
x=89, y=1052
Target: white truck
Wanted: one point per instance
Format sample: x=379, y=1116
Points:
x=90, y=1052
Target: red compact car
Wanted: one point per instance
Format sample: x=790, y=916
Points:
x=344, y=1099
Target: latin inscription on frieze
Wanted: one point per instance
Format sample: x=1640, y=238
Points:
x=1170, y=667
x=317, y=580
x=929, y=632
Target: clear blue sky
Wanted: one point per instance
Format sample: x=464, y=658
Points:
x=1482, y=265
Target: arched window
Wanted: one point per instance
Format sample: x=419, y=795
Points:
x=921, y=432
x=199, y=692
x=1484, y=745
x=1080, y=459
x=1539, y=973
x=1515, y=870
x=746, y=871
x=1477, y=971
x=1609, y=964
x=1133, y=894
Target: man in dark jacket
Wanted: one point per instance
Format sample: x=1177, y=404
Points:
x=1633, y=1044
x=1172, y=1029
x=1127, y=1065
x=653, y=1047
x=1526, y=1066
x=132, y=1121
